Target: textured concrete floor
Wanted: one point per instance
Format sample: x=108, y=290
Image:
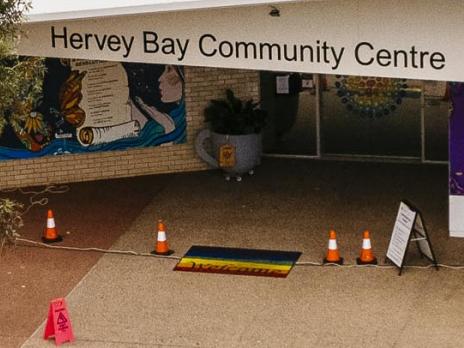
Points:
x=128, y=301
x=89, y=214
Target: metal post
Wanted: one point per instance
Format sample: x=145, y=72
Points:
x=422, y=123
x=318, y=115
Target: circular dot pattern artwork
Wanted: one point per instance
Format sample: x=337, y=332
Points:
x=371, y=96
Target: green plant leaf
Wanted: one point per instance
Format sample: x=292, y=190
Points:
x=233, y=116
x=10, y=221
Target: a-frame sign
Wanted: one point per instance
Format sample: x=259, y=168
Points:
x=409, y=227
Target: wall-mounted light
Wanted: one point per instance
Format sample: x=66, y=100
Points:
x=274, y=12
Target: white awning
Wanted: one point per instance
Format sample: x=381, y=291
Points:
x=328, y=37
x=47, y=10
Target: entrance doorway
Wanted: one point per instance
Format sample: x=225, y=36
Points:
x=293, y=128
x=329, y=116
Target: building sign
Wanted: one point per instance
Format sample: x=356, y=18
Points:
x=89, y=105
x=410, y=39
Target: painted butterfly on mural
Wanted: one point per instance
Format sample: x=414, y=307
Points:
x=70, y=95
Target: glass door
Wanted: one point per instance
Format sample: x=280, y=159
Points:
x=370, y=116
x=290, y=99
x=336, y=116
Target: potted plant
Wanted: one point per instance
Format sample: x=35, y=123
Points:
x=235, y=132
x=10, y=221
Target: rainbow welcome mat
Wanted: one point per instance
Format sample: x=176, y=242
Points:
x=264, y=263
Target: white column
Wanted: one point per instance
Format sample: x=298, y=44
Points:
x=456, y=216
x=456, y=157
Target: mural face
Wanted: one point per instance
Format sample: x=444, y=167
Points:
x=457, y=139
x=171, y=84
x=89, y=106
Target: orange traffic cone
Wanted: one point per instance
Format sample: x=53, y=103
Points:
x=162, y=247
x=367, y=257
x=333, y=256
x=50, y=235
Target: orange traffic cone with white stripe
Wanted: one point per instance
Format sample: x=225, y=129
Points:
x=50, y=234
x=367, y=256
x=333, y=256
x=161, y=247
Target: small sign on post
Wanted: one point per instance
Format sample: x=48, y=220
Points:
x=409, y=227
x=58, y=322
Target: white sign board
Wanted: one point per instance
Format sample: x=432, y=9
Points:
x=456, y=216
x=400, y=236
x=283, y=84
x=418, y=39
x=409, y=227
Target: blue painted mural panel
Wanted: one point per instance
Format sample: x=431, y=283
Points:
x=89, y=106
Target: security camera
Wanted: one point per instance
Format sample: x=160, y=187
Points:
x=274, y=12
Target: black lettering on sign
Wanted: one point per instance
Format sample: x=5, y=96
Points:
x=86, y=41
x=437, y=60
x=114, y=43
x=76, y=41
x=56, y=36
x=202, y=45
x=150, y=42
x=367, y=54
x=358, y=55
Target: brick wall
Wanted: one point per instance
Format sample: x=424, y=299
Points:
x=201, y=85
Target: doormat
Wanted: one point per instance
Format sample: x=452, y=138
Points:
x=254, y=262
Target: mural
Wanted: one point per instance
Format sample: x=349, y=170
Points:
x=89, y=106
x=456, y=148
x=371, y=96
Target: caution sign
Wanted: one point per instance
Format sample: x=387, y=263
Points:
x=62, y=322
x=227, y=156
x=58, y=322
x=409, y=227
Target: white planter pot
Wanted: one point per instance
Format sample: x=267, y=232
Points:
x=248, y=150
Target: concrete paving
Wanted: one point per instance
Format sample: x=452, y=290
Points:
x=86, y=214
x=129, y=301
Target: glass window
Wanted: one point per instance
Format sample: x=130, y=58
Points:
x=292, y=113
x=370, y=116
x=436, y=115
